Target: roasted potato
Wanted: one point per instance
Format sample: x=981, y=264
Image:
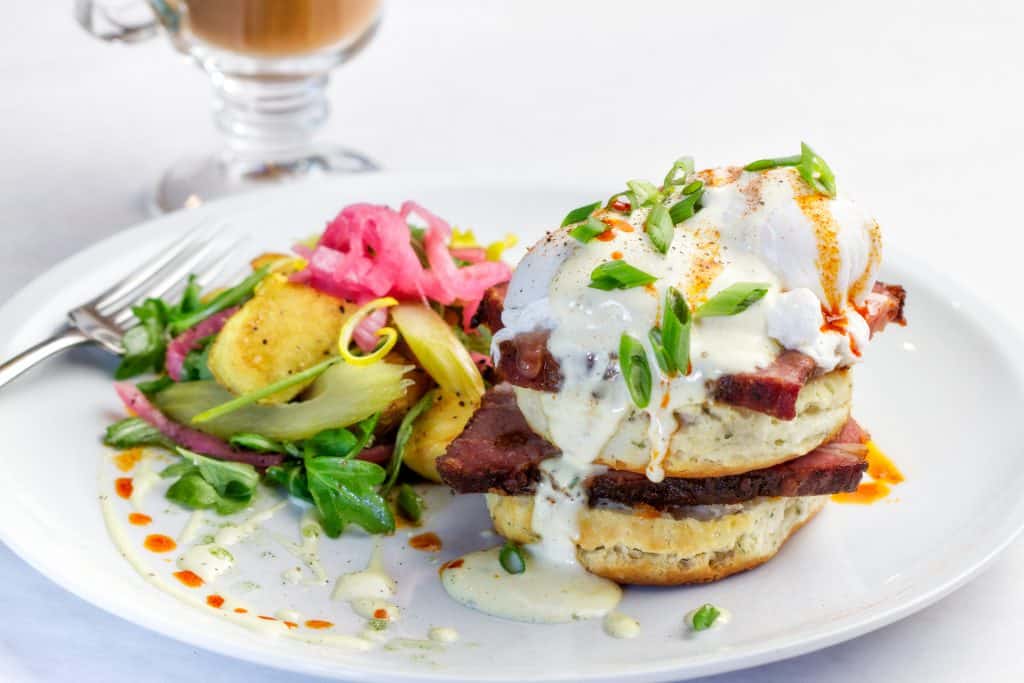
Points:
x=286, y=327
x=434, y=430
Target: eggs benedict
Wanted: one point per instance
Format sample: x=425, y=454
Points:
x=676, y=361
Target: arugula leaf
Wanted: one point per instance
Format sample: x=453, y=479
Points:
x=134, y=431
x=145, y=344
x=292, y=476
x=331, y=443
x=226, y=299
x=190, y=298
x=226, y=487
x=479, y=340
x=196, y=367
x=366, y=430
x=155, y=386
x=402, y=439
x=345, y=492
x=178, y=469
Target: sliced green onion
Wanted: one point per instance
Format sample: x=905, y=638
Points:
x=816, y=172
x=643, y=190
x=704, y=617
x=685, y=207
x=512, y=558
x=693, y=187
x=660, y=228
x=635, y=370
x=675, y=331
x=579, y=214
x=812, y=168
x=263, y=392
x=679, y=171
x=766, y=164
x=734, y=299
x=410, y=504
x=618, y=275
x=588, y=230
x=658, y=346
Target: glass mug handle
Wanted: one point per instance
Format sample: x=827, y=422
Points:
x=122, y=21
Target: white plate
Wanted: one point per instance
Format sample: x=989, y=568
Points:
x=939, y=396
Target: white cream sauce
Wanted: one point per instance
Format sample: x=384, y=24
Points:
x=367, y=591
x=619, y=625
x=210, y=560
x=544, y=593
x=442, y=634
x=277, y=628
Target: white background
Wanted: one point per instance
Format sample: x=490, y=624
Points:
x=916, y=105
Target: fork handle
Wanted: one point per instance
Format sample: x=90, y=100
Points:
x=38, y=353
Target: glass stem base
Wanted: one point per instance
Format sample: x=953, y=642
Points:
x=269, y=124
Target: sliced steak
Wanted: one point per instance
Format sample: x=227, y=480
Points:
x=831, y=468
x=526, y=362
x=884, y=305
x=772, y=390
x=497, y=451
x=491, y=307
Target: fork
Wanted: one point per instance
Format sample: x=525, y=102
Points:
x=104, y=319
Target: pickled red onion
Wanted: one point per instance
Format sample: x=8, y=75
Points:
x=188, y=341
x=366, y=252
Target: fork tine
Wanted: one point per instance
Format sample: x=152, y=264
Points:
x=161, y=280
x=205, y=275
x=139, y=275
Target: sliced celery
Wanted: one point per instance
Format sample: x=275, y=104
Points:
x=438, y=350
x=341, y=396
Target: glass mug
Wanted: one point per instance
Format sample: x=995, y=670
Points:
x=268, y=62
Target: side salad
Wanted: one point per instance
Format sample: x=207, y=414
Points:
x=323, y=372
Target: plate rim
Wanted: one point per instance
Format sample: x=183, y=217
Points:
x=984, y=317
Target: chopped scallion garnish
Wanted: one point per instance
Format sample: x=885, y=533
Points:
x=734, y=299
x=512, y=558
x=693, y=187
x=660, y=228
x=579, y=214
x=589, y=229
x=678, y=173
x=675, y=331
x=410, y=504
x=686, y=207
x=636, y=371
x=812, y=168
x=704, y=617
x=618, y=275
x=643, y=191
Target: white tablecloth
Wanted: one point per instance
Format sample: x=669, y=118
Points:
x=917, y=105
